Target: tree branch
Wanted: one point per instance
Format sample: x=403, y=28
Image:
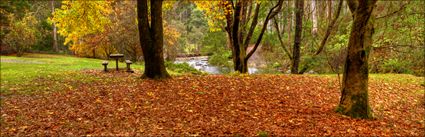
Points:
x=330, y=27
x=394, y=12
x=325, y=38
x=253, y=25
x=280, y=40
x=270, y=15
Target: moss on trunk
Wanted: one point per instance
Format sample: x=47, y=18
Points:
x=354, y=99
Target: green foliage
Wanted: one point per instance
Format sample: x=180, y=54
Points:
x=182, y=68
x=215, y=45
x=221, y=58
x=276, y=65
x=340, y=41
x=17, y=8
x=214, y=41
x=319, y=64
x=22, y=33
x=263, y=134
x=396, y=66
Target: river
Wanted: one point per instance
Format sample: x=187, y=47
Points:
x=201, y=63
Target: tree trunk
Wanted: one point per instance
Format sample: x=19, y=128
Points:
x=298, y=31
x=55, y=38
x=239, y=53
x=354, y=99
x=291, y=15
x=314, y=18
x=329, y=13
x=151, y=38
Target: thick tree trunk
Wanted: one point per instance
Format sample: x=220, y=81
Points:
x=298, y=32
x=55, y=37
x=239, y=53
x=354, y=99
x=151, y=38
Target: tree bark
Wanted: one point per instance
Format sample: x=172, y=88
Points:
x=329, y=13
x=151, y=38
x=354, y=100
x=314, y=17
x=298, y=32
x=55, y=38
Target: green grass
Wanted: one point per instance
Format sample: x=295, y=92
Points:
x=390, y=78
x=23, y=74
x=22, y=70
x=17, y=72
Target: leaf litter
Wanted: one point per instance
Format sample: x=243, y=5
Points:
x=122, y=104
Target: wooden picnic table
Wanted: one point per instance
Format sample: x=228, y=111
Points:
x=116, y=57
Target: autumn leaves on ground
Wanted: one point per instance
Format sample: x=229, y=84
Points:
x=90, y=102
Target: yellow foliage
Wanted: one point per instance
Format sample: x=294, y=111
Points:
x=171, y=35
x=166, y=5
x=216, y=12
x=76, y=19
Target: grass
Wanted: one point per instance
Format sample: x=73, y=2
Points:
x=20, y=69
x=386, y=78
x=17, y=71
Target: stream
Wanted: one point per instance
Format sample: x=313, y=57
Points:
x=201, y=63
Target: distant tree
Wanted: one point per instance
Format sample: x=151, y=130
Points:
x=298, y=32
x=54, y=32
x=151, y=38
x=331, y=27
x=314, y=17
x=241, y=19
x=80, y=22
x=354, y=100
x=123, y=33
x=22, y=34
x=17, y=8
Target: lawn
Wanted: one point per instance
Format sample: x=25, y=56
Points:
x=67, y=96
x=18, y=72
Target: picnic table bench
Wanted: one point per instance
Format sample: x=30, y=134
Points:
x=116, y=57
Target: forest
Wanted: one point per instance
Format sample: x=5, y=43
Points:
x=212, y=68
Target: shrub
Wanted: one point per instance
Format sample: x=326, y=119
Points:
x=22, y=34
x=220, y=59
x=183, y=68
x=396, y=66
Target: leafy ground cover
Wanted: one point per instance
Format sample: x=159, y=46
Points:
x=90, y=102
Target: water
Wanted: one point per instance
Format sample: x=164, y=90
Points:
x=201, y=64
